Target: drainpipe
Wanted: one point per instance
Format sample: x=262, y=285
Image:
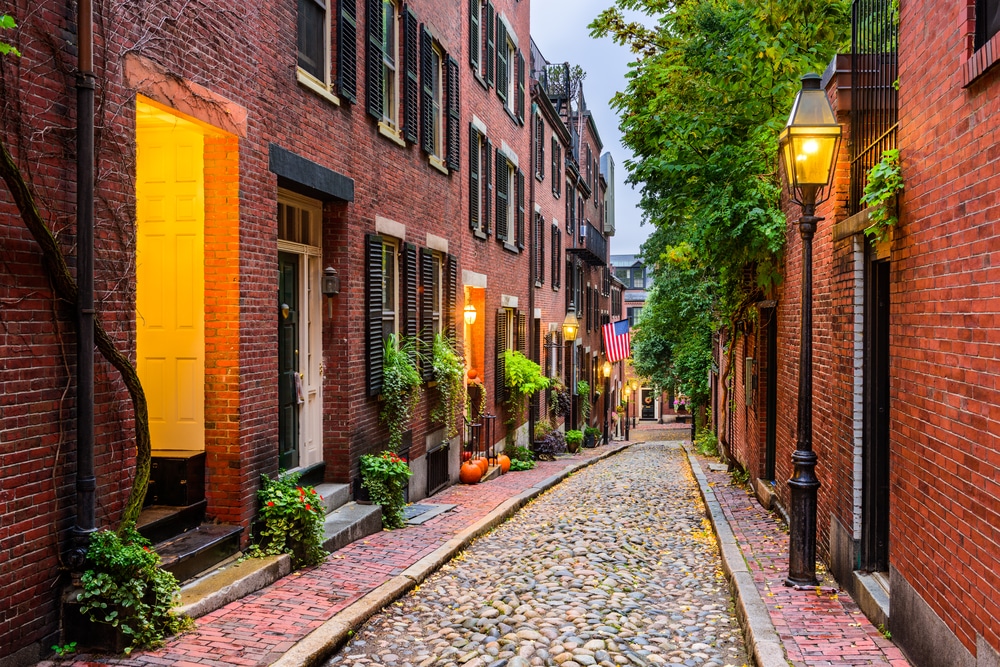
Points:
x=86, y=482
x=532, y=334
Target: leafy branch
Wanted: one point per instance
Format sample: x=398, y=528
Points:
x=885, y=181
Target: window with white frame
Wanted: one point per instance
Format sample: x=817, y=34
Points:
x=509, y=202
x=390, y=287
x=480, y=186
x=390, y=59
x=314, y=38
x=436, y=86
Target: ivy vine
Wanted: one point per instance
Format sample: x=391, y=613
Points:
x=400, y=387
x=449, y=373
x=885, y=181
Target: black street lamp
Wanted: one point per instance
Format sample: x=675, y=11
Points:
x=628, y=390
x=606, y=372
x=809, y=145
x=635, y=403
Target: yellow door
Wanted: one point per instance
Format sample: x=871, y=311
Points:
x=170, y=277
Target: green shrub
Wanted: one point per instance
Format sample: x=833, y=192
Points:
x=574, y=439
x=706, y=443
x=384, y=476
x=293, y=520
x=400, y=387
x=449, y=373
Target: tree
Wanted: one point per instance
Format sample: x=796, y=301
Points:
x=710, y=89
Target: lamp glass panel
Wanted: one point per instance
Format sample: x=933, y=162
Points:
x=813, y=158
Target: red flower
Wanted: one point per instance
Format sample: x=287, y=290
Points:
x=270, y=503
x=146, y=548
x=308, y=507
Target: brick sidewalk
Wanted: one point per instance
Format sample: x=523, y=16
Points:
x=821, y=630
x=259, y=628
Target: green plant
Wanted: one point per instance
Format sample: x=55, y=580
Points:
x=7, y=23
x=522, y=454
x=449, y=373
x=706, y=443
x=561, y=402
x=64, y=649
x=542, y=430
x=293, y=520
x=125, y=588
x=884, y=631
x=400, y=387
x=885, y=181
x=583, y=391
x=518, y=465
x=523, y=377
x=384, y=476
x=592, y=431
x=740, y=476
x=574, y=439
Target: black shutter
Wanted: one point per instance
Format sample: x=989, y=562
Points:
x=502, y=195
x=502, y=64
x=539, y=148
x=427, y=91
x=499, y=378
x=427, y=312
x=373, y=59
x=451, y=297
x=520, y=88
x=488, y=199
x=522, y=333
x=347, y=50
x=538, y=247
x=411, y=93
x=454, y=118
x=556, y=260
x=373, y=305
x=475, y=215
x=410, y=293
x=520, y=209
x=491, y=18
x=474, y=39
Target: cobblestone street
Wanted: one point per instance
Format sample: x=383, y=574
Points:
x=615, y=566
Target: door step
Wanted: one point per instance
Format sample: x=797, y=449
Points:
x=158, y=523
x=198, y=549
x=350, y=522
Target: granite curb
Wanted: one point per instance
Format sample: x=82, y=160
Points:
x=324, y=640
x=759, y=632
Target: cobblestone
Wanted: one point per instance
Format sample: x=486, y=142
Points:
x=615, y=566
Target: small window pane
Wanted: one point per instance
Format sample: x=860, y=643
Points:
x=312, y=38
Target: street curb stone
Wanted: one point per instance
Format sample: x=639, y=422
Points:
x=759, y=632
x=324, y=640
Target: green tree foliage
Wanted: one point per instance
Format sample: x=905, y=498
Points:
x=711, y=87
x=7, y=23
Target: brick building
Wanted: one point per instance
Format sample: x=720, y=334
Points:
x=906, y=415
x=245, y=156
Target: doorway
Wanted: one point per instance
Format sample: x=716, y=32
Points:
x=648, y=404
x=875, y=516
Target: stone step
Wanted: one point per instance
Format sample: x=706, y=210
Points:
x=199, y=549
x=334, y=495
x=350, y=522
x=158, y=523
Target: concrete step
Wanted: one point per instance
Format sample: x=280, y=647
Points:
x=197, y=550
x=334, y=495
x=350, y=522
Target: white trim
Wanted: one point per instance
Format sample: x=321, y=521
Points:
x=555, y=222
x=538, y=208
x=316, y=86
x=479, y=125
x=438, y=164
x=473, y=279
x=390, y=228
x=538, y=313
x=508, y=153
x=391, y=133
x=437, y=243
x=508, y=301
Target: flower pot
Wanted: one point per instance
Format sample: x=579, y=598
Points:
x=589, y=441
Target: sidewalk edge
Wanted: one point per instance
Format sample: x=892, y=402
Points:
x=758, y=630
x=324, y=640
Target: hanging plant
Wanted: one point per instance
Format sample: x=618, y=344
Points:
x=400, y=387
x=583, y=391
x=523, y=378
x=449, y=373
x=885, y=181
x=561, y=401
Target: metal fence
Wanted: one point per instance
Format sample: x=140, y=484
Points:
x=874, y=79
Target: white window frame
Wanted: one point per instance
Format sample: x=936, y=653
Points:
x=437, y=98
x=390, y=293
x=390, y=64
x=323, y=81
x=510, y=85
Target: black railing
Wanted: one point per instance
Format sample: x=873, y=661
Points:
x=590, y=246
x=874, y=98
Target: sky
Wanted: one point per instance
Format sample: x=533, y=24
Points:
x=559, y=28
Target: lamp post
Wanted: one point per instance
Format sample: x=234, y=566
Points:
x=606, y=372
x=635, y=403
x=628, y=391
x=809, y=145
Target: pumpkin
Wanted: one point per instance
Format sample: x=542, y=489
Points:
x=473, y=373
x=504, y=462
x=484, y=463
x=470, y=473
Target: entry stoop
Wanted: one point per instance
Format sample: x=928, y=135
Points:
x=346, y=521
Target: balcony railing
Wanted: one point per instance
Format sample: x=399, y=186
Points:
x=590, y=246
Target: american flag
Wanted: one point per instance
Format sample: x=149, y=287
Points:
x=617, y=340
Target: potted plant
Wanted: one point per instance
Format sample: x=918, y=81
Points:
x=574, y=439
x=681, y=404
x=521, y=458
x=400, y=387
x=384, y=476
x=293, y=516
x=548, y=442
x=590, y=435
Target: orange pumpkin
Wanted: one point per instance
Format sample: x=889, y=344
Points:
x=484, y=463
x=470, y=473
x=504, y=462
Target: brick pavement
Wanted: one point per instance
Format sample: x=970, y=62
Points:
x=822, y=628
x=259, y=628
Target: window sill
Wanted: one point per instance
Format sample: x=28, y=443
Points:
x=480, y=234
x=315, y=85
x=391, y=133
x=510, y=247
x=480, y=79
x=982, y=61
x=438, y=164
x=511, y=114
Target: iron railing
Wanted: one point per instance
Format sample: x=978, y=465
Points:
x=874, y=98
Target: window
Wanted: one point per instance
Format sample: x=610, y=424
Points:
x=298, y=225
x=510, y=203
x=556, y=163
x=621, y=273
x=511, y=334
x=432, y=101
x=432, y=303
x=538, y=248
x=390, y=285
x=480, y=185
x=633, y=316
x=313, y=37
x=556, y=256
x=482, y=18
x=570, y=212
x=987, y=21
x=390, y=86
x=509, y=72
x=638, y=278
x=382, y=75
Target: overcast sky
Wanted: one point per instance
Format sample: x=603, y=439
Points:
x=559, y=28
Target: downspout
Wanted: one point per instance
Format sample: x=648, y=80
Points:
x=532, y=334
x=86, y=482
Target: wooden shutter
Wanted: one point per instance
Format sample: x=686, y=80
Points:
x=520, y=88
x=454, y=119
x=556, y=251
x=502, y=194
x=570, y=212
x=427, y=312
x=539, y=148
x=502, y=64
x=538, y=248
x=347, y=50
x=373, y=306
x=451, y=297
x=520, y=209
x=427, y=91
x=491, y=19
x=475, y=215
x=373, y=58
x=410, y=293
x=474, y=38
x=411, y=92
x=499, y=378
x=488, y=199
x=522, y=333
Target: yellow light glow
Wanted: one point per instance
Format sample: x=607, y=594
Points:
x=810, y=146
